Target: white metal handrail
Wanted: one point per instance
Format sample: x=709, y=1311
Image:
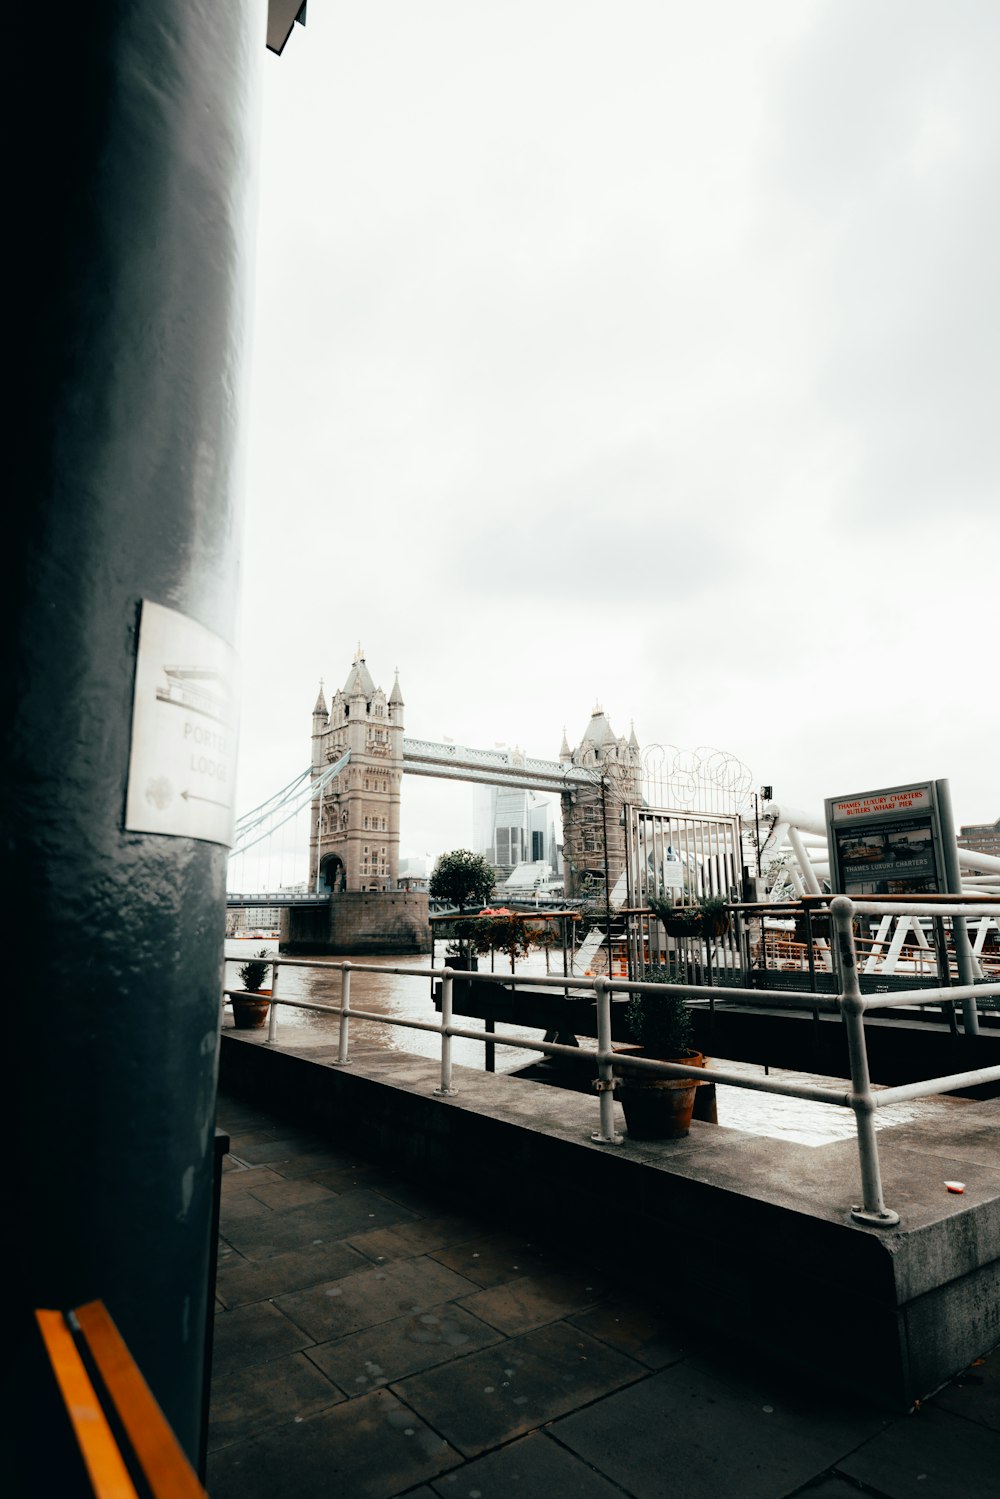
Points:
x=851, y=1004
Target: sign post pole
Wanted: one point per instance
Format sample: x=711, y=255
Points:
x=960, y=931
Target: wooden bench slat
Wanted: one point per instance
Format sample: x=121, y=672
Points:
x=161, y=1457
x=97, y=1444
x=122, y=1392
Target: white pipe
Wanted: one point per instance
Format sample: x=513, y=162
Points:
x=804, y=821
x=804, y=861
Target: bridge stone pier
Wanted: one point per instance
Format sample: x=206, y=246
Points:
x=359, y=923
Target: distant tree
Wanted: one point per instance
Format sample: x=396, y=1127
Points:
x=462, y=879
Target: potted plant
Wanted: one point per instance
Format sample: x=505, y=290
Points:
x=714, y=913
x=708, y=918
x=250, y=1008
x=658, y=1108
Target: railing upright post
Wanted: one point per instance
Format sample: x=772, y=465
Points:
x=873, y=1209
x=605, y=1083
x=272, y=1019
x=343, y=1057
x=447, y=980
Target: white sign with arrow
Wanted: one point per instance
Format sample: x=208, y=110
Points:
x=184, y=724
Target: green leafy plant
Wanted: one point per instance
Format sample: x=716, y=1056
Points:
x=709, y=917
x=714, y=912
x=660, y=1023
x=254, y=972
x=462, y=879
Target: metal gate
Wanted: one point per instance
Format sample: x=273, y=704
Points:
x=682, y=855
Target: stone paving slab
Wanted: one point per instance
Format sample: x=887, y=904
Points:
x=421, y=1236
x=505, y=1392
x=294, y=1193
x=240, y=1281
x=289, y=1158
x=533, y=1300
x=258, y=1238
x=252, y=1335
x=238, y=1179
x=832, y=1488
x=370, y=1296
x=492, y=1259
x=535, y=1467
x=975, y=1393
x=370, y=1448
x=353, y=1174
x=931, y=1454
x=716, y=1430
x=260, y=1396
x=636, y=1329
x=243, y=1205
x=407, y=1345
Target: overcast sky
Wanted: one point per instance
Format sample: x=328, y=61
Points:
x=639, y=352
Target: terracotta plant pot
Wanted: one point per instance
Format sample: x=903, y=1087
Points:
x=658, y=1108
x=250, y=1010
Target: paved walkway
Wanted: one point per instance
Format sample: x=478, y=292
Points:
x=372, y=1342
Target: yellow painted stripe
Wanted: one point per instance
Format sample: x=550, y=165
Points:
x=161, y=1457
x=108, y=1473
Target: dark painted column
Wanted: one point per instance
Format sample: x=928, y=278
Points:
x=133, y=215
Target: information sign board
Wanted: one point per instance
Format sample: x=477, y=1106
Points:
x=887, y=842
x=184, y=726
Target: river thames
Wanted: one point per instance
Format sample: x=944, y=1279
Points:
x=406, y=996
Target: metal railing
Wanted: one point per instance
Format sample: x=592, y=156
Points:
x=850, y=1004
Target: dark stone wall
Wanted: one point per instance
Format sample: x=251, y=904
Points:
x=356, y=922
x=131, y=192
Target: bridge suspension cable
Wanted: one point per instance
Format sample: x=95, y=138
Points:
x=273, y=801
x=291, y=800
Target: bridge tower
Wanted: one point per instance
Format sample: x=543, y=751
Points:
x=615, y=765
x=354, y=834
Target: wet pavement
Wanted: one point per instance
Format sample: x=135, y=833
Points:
x=374, y=1340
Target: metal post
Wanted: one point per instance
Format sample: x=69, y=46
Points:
x=963, y=948
x=343, y=1060
x=272, y=1019
x=944, y=971
x=319, y=836
x=810, y=954
x=873, y=1210
x=446, y=1090
x=605, y=1083
x=607, y=869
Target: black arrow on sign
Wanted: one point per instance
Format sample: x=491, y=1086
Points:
x=189, y=796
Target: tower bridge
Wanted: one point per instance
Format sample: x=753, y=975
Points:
x=352, y=789
x=354, y=836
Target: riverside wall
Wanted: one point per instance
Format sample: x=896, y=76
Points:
x=359, y=923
